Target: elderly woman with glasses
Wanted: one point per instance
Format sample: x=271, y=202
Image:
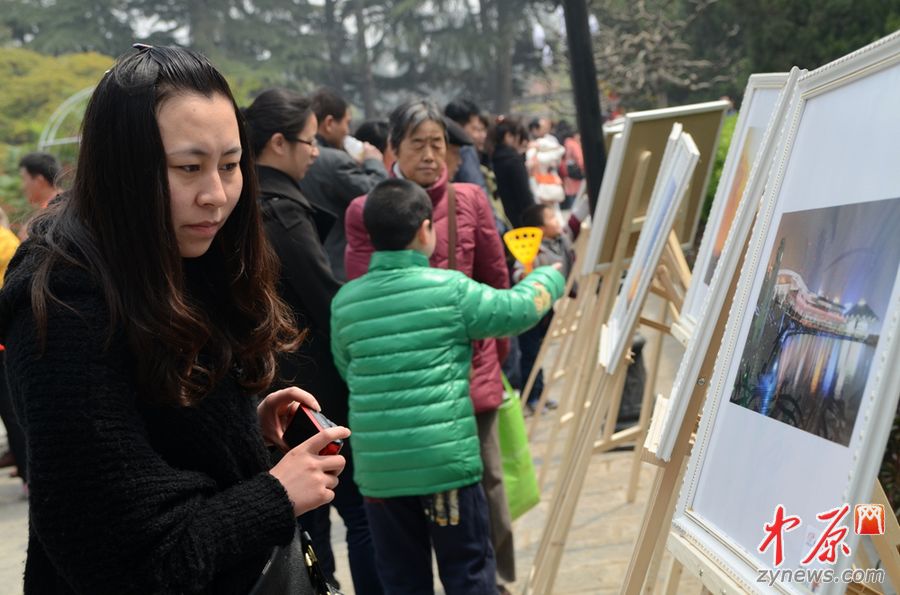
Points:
x=464, y=220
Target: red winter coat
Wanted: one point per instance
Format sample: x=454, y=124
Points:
x=479, y=254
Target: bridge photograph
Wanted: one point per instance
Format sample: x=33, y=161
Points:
x=816, y=324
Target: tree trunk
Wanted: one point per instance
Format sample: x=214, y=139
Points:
x=332, y=41
x=489, y=31
x=505, y=37
x=368, y=85
x=203, y=17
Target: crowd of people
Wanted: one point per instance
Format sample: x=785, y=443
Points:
x=167, y=316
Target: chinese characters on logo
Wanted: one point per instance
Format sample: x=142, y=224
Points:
x=868, y=519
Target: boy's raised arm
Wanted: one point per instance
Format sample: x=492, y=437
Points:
x=490, y=312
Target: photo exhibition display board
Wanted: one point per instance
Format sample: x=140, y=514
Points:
x=676, y=170
x=668, y=416
x=757, y=108
x=806, y=382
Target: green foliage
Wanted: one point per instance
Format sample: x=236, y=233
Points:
x=59, y=27
x=442, y=48
x=779, y=34
x=12, y=200
x=721, y=153
x=35, y=85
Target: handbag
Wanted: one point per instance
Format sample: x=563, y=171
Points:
x=519, y=478
x=293, y=569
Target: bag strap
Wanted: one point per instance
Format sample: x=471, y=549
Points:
x=451, y=226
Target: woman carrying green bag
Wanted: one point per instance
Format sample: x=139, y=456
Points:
x=519, y=478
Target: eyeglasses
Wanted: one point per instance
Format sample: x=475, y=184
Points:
x=310, y=143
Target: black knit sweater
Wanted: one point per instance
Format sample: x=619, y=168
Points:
x=126, y=497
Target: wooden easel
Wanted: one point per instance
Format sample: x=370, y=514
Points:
x=595, y=303
x=567, y=311
x=562, y=325
x=550, y=549
x=648, y=551
x=670, y=282
x=672, y=265
x=598, y=397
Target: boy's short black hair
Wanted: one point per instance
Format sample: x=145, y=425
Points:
x=394, y=211
x=533, y=215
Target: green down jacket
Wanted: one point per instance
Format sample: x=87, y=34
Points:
x=401, y=337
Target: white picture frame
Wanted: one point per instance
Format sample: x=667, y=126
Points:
x=745, y=463
x=604, y=203
x=668, y=419
x=647, y=131
x=761, y=97
x=676, y=170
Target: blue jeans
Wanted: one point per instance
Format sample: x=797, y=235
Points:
x=530, y=344
x=360, y=550
x=512, y=367
x=402, y=529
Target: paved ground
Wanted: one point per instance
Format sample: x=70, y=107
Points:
x=597, y=552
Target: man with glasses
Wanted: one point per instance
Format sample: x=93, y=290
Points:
x=337, y=177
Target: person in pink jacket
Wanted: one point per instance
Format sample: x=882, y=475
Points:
x=418, y=136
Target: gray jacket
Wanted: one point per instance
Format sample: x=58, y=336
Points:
x=553, y=250
x=331, y=183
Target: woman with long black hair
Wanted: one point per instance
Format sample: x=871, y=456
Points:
x=141, y=319
x=282, y=126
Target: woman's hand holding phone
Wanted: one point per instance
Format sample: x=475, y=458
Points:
x=308, y=477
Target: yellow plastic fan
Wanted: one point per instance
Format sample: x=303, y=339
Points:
x=524, y=243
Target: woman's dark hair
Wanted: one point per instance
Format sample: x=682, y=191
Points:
x=274, y=111
x=511, y=124
x=393, y=213
x=461, y=110
x=408, y=116
x=189, y=322
x=563, y=131
x=374, y=132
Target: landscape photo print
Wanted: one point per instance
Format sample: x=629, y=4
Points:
x=817, y=322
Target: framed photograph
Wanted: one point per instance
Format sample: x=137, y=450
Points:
x=806, y=381
x=669, y=415
x=648, y=131
x=760, y=99
x=676, y=170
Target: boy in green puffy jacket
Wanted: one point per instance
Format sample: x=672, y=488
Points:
x=401, y=338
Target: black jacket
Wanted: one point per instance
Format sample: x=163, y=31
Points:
x=128, y=497
x=512, y=182
x=308, y=286
x=331, y=183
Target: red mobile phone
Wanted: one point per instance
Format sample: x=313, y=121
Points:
x=306, y=424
